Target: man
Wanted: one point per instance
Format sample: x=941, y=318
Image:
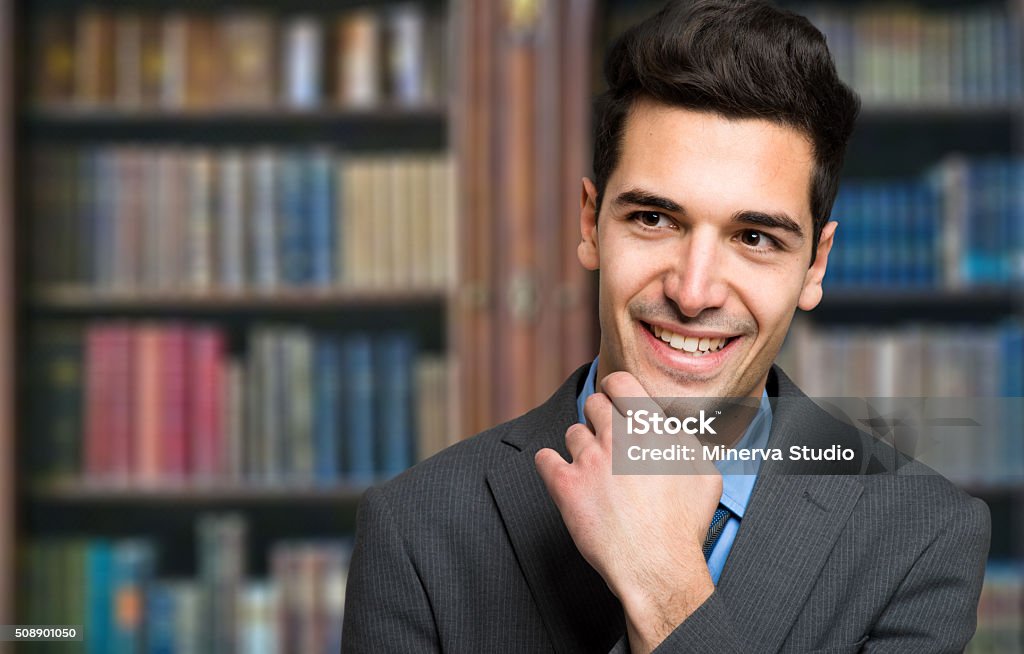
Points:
x=717, y=156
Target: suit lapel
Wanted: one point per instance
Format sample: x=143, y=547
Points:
x=580, y=613
x=790, y=526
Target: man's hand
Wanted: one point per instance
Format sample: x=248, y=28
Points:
x=642, y=533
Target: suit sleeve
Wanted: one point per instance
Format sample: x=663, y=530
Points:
x=936, y=606
x=933, y=610
x=386, y=605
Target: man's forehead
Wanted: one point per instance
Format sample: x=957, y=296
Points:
x=667, y=150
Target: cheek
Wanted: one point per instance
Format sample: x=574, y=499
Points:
x=770, y=296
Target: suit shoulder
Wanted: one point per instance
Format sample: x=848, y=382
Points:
x=920, y=496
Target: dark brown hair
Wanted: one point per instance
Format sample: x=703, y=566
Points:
x=739, y=59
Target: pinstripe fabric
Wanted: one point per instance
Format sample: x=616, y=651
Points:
x=467, y=553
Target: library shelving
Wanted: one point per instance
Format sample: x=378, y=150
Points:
x=222, y=219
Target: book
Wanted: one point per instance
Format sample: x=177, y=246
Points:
x=359, y=410
x=250, y=67
x=53, y=59
x=393, y=369
x=407, y=27
x=359, y=53
x=94, y=58
x=302, y=50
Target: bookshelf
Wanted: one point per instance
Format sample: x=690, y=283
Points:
x=125, y=258
x=252, y=507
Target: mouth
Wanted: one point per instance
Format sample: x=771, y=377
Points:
x=692, y=345
x=694, y=355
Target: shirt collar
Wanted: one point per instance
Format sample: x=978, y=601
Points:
x=738, y=477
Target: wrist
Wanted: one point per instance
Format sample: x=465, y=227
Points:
x=654, y=609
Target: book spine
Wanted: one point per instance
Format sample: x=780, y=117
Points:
x=408, y=52
x=148, y=377
x=359, y=408
x=294, y=216
x=359, y=66
x=327, y=409
x=265, y=220
x=175, y=411
x=321, y=203
x=232, y=214
x=393, y=369
x=206, y=428
x=303, y=46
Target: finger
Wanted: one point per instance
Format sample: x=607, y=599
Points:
x=577, y=437
x=599, y=412
x=551, y=467
x=626, y=393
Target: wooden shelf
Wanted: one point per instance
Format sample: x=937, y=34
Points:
x=85, y=301
x=293, y=6
x=883, y=305
x=75, y=492
x=379, y=128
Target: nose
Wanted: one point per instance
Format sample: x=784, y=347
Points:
x=696, y=279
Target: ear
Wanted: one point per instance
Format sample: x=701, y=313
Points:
x=587, y=251
x=811, y=293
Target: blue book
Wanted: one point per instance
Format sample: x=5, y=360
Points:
x=161, y=620
x=131, y=571
x=327, y=397
x=321, y=218
x=1017, y=219
x=1012, y=386
x=99, y=617
x=359, y=408
x=294, y=217
x=394, y=368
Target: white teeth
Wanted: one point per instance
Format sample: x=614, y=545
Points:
x=697, y=346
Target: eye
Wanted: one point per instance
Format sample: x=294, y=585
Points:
x=757, y=240
x=651, y=219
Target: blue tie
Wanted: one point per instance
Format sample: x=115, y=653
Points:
x=715, y=530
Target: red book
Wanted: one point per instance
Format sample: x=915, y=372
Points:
x=97, y=418
x=207, y=388
x=121, y=400
x=174, y=412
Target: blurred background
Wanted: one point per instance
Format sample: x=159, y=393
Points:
x=260, y=254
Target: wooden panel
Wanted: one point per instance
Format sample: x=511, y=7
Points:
x=7, y=302
x=527, y=317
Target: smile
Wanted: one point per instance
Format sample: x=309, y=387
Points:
x=696, y=346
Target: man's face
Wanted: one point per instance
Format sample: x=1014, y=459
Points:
x=704, y=241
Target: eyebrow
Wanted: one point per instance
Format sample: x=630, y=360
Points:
x=769, y=220
x=640, y=197
x=647, y=199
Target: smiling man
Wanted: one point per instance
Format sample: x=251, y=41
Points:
x=716, y=161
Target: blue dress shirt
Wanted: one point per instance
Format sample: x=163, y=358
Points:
x=738, y=477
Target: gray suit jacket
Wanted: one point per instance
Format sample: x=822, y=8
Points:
x=466, y=552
